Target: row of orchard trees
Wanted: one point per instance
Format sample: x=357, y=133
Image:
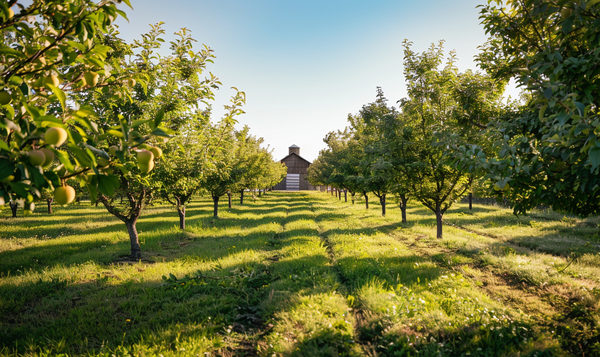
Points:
x=453, y=129
x=126, y=121
x=404, y=152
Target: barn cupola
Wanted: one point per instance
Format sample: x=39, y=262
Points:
x=295, y=149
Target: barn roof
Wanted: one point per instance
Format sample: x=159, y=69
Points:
x=295, y=146
x=282, y=160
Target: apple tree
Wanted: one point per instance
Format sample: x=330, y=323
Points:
x=49, y=51
x=163, y=98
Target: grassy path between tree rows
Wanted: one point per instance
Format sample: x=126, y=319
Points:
x=300, y=274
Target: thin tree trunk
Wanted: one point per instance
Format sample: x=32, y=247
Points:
x=49, y=201
x=439, y=216
x=403, y=203
x=216, y=204
x=259, y=193
x=470, y=200
x=339, y=195
x=382, y=201
x=352, y=197
x=229, y=199
x=366, y=200
x=136, y=250
x=181, y=212
x=242, y=197
x=13, y=208
x=331, y=190
x=345, y=195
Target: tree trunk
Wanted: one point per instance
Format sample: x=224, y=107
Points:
x=352, y=197
x=216, y=203
x=49, y=201
x=470, y=200
x=181, y=212
x=339, y=195
x=382, y=201
x=136, y=250
x=366, y=200
x=229, y=199
x=439, y=216
x=259, y=193
x=345, y=195
x=403, y=203
x=241, y=197
x=13, y=208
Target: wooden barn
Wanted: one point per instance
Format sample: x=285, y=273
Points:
x=296, y=172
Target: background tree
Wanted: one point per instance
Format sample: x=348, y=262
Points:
x=220, y=173
x=431, y=106
x=184, y=159
x=370, y=125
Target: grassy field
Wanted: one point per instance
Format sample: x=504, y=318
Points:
x=300, y=274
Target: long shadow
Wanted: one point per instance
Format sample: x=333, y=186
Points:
x=110, y=313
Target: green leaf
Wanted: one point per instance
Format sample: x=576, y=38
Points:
x=543, y=111
x=93, y=190
x=19, y=188
x=164, y=132
x=82, y=156
x=159, y=118
x=59, y=94
x=78, y=45
x=15, y=80
x=33, y=111
x=594, y=154
x=139, y=122
x=3, y=145
x=6, y=168
x=63, y=157
x=11, y=52
x=108, y=184
x=116, y=133
x=98, y=152
x=48, y=120
x=122, y=14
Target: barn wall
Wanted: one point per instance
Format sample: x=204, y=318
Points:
x=295, y=165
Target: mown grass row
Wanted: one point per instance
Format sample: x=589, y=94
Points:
x=300, y=274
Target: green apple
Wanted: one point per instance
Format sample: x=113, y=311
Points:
x=5, y=98
x=49, y=156
x=64, y=195
x=157, y=152
x=91, y=78
x=37, y=157
x=145, y=160
x=55, y=136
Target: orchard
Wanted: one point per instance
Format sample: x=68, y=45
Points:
x=470, y=219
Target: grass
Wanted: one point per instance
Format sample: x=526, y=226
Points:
x=300, y=274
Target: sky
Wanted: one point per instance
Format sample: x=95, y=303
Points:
x=306, y=64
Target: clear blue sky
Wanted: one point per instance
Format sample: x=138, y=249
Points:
x=306, y=64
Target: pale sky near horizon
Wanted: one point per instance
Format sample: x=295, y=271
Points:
x=305, y=65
